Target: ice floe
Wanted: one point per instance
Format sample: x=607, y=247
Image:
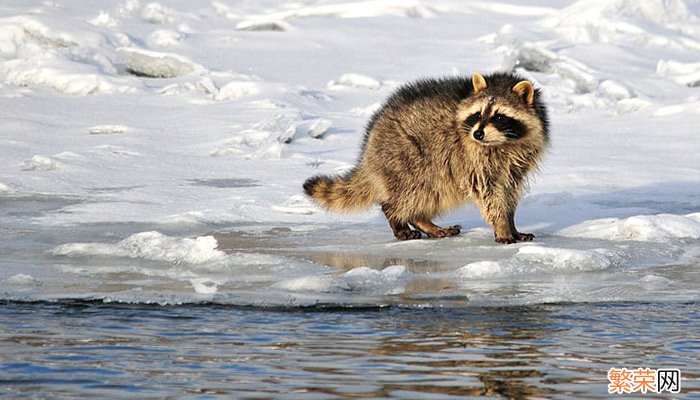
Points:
x=649, y=228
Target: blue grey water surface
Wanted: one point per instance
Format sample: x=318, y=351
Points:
x=92, y=349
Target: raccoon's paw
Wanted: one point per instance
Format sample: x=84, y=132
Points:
x=450, y=231
x=518, y=237
x=524, y=237
x=506, y=240
x=407, y=234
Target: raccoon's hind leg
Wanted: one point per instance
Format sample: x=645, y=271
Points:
x=435, y=231
x=402, y=230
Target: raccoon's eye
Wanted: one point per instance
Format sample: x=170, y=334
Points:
x=473, y=119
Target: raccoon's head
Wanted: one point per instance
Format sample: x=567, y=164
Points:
x=504, y=110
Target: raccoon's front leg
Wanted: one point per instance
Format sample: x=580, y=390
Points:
x=498, y=210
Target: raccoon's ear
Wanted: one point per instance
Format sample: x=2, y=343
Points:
x=525, y=91
x=478, y=82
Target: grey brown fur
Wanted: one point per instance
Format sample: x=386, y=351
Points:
x=438, y=143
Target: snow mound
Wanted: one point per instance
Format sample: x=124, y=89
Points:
x=17, y=33
x=594, y=21
x=263, y=25
x=684, y=73
x=40, y=163
x=648, y=228
x=107, y=129
x=31, y=54
x=154, y=64
x=152, y=246
x=358, y=9
x=236, y=90
x=164, y=38
x=357, y=81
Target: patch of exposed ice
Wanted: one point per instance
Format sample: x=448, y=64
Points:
x=22, y=280
x=390, y=280
x=533, y=259
x=297, y=204
x=547, y=259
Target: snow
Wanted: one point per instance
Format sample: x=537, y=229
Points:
x=651, y=228
x=150, y=246
x=155, y=152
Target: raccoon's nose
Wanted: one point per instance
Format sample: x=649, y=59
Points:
x=479, y=134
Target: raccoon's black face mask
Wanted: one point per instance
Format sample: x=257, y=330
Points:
x=478, y=125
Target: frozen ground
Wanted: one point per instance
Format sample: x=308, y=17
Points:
x=155, y=151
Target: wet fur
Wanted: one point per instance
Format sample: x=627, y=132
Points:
x=420, y=157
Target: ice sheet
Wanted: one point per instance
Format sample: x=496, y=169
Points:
x=155, y=152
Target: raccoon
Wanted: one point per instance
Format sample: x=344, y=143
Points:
x=439, y=143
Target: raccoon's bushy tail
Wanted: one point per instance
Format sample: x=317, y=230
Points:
x=347, y=193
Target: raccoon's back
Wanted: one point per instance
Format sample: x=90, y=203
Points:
x=434, y=92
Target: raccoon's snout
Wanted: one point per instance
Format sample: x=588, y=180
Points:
x=478, y=134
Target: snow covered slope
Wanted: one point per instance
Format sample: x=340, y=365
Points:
x=155, y=151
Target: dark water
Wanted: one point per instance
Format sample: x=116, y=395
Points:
x=77, y=349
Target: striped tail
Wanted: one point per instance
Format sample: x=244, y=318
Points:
x=348, y=193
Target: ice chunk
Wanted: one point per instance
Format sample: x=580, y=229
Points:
x=650, y=228
x=155, y=64
x=481, y=269
x=355, y=81
x=40, y=163
x=318, y=127
x=150, y=246
x=204, y=285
